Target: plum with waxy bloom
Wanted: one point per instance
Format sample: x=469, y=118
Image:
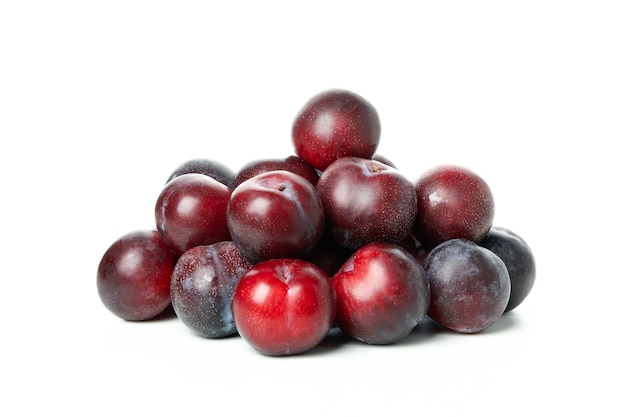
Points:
x=470, y=286
x=203, y=282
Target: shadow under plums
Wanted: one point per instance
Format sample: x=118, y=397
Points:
x=428, y=330
x=166, y=315
x=337, y=339
x=504, y=323
x=334, y=340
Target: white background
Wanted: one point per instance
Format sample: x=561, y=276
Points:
x=100, y=101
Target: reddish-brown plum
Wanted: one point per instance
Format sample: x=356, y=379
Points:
x=275, y=215
x=284, y=306
x=210, y=167
x=291, y=163
x=469, y=285
x=133, y=278
x=519, y=261
x=366, y=201
x=382, y=293
x=203, y=283
x=453, y=202
x=334, y=124
x=191, y=211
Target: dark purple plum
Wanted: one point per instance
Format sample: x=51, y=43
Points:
x=133, y=278
x=209, y=167
x=469, y=285
x=203, y=283
x=519, y=261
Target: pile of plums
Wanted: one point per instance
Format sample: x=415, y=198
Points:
x=284, y=250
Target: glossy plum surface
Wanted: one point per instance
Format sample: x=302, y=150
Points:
x=210, y=167
x=133, y=278
x=519, y=261
x=382, y=293
x=291, y=163
x=334, y=124
x=452, y=202
x=366, y=201
x=203, y=283
x=470, y=286
x=275, y=215
x=191, y=211
x=284, y=306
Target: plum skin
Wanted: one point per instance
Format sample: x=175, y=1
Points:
x=210, y=167
x=202, y=286
x=333, y=124
x=284, y=306
x=133, y=278
x=366, y=201
x=382, y=294
x=470, y=286
x=191, y=211
x=453, y=202
x=276, y=214
x=519, y=261
x=291, y=163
